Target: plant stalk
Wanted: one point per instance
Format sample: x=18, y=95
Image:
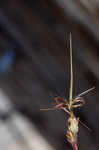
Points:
x=71, y=76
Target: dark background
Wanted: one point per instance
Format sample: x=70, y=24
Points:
x=36, y=33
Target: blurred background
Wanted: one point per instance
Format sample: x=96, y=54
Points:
x=34, y=64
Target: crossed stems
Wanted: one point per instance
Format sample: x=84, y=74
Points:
x=62, y=103
x=77, y=102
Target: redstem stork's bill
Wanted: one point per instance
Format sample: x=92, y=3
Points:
x=68, y=107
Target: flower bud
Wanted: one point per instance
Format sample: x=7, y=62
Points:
x=72, y=130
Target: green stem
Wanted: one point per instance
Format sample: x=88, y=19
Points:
x=71, y=76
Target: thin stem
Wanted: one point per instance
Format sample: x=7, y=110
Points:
x=71, y=75
x=85, y=92
x=74, y=146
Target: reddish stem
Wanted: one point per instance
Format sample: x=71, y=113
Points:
x=74, y=145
